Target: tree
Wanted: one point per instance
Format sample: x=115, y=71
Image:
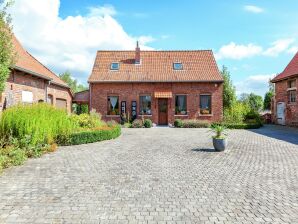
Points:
x=72, y=83
x=255, y=102
x=229, y=91
x=268, y=96
x=7, y=55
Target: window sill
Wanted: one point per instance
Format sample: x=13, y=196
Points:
x=291, y=89
x=112, y=115
x=181, y=115
x=205, y=115
x=145, y=115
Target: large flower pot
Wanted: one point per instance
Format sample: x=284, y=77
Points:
x=220, y=144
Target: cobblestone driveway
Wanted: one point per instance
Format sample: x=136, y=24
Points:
x=159, y=175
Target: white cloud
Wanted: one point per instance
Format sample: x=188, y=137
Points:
x=279, y=46
x=293, y=50
x=234, y=51
x=257, y=84
x=253, y=9
x=69, y=43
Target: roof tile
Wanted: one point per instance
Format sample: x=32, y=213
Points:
x=290, y=70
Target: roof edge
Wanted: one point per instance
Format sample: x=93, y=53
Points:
x=167, y=81
x=274, y=80
x=32, y=73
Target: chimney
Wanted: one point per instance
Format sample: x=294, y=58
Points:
x=138, y=54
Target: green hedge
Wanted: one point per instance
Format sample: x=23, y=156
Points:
x=90, y=136
x=191, y=123
x=244, y=126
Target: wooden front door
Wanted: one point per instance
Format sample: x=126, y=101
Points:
x=163, y=111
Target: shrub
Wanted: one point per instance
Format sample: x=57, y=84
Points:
x=192, y=123
x=90, y=136
x=236, y=114
x=87, y=120
x=253, y=117
x=147, y=123
x=178, y=123
x=137, y=123
x=244, y=126
x=42, y=122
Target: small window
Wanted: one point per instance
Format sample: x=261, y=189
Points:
x=115, y=66
x=291, y=83
x=292, y=96
x=177, y=66
x=205, y=104
x=145, y=105
x=27, y=97
x=113, y=105
x=180, y=105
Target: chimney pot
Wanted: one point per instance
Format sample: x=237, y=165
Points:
x=138, y=54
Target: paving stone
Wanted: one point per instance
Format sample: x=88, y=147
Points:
x=159, y=175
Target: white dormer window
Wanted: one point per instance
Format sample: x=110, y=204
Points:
x=115, y=66
x=177, y=66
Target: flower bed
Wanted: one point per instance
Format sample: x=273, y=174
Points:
x=187, y=123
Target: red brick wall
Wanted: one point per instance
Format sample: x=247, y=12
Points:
x=281, y=95
x=20, y=81
x=131, y=91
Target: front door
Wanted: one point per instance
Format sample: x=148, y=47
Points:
x=281, y=113
x=163, y=111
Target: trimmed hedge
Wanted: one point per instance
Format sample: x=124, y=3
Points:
x=244, y=126
x=90, y=136
x=178, y=123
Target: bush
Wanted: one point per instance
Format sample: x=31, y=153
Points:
x=42, y=122
x=137, y=123
x=253, y=117
x=147, y=123
x=191, y=123
x=236, y=114
x=90, y=136
x=91, y=120
x=244, y=126
x=178, y=123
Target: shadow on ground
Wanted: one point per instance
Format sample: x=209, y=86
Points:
x=203, y=150
x=283, y=133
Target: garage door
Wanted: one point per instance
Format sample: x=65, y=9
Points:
x=61, y=104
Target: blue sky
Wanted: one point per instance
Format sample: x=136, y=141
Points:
x=254, y=39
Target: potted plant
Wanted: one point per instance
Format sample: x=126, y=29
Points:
x=219, y=140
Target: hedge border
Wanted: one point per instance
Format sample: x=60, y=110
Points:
x=90, y=136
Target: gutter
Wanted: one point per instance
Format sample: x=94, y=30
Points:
x=155, y=81
x=32, y=73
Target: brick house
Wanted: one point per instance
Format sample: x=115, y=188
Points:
x=31, y=82
x=159, y=85
x=285, y=106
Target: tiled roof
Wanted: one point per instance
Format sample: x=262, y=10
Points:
x=290, y=70
x=156, y=66
x=26, y=62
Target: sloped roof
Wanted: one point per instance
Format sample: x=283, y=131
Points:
x=156, y=66
x=290, y=70
x=27, y=63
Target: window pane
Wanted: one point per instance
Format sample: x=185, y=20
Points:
x=178, y=66
x=114, y=66
x=113, y=105
x=205, y=104
x=145, y=105
x=180, y=105
x=292, y=96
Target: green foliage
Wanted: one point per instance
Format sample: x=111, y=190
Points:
x=219, y=130
x=191, y=123
x=72, y=83
x=236, y=113
x=147, y=123
x=267, y=100
x=244, y=126
x=137, y=123
x=42, y=122
x=254, y=101
x=87, y=121
x=178, y=123
x=7, y=54
x=229, y=91
x=90, y=136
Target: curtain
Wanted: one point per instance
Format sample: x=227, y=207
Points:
x=181, y=103
x=205, y=102
x=113, y=100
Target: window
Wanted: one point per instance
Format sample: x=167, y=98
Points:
x=180, y=105
x=115, y=66
x=145, y=105
x=205, y=104
x=292, y=96
x=292, y=84
x=50, y=99
x=27, y=97
x=177, y=66
x=113, y=105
